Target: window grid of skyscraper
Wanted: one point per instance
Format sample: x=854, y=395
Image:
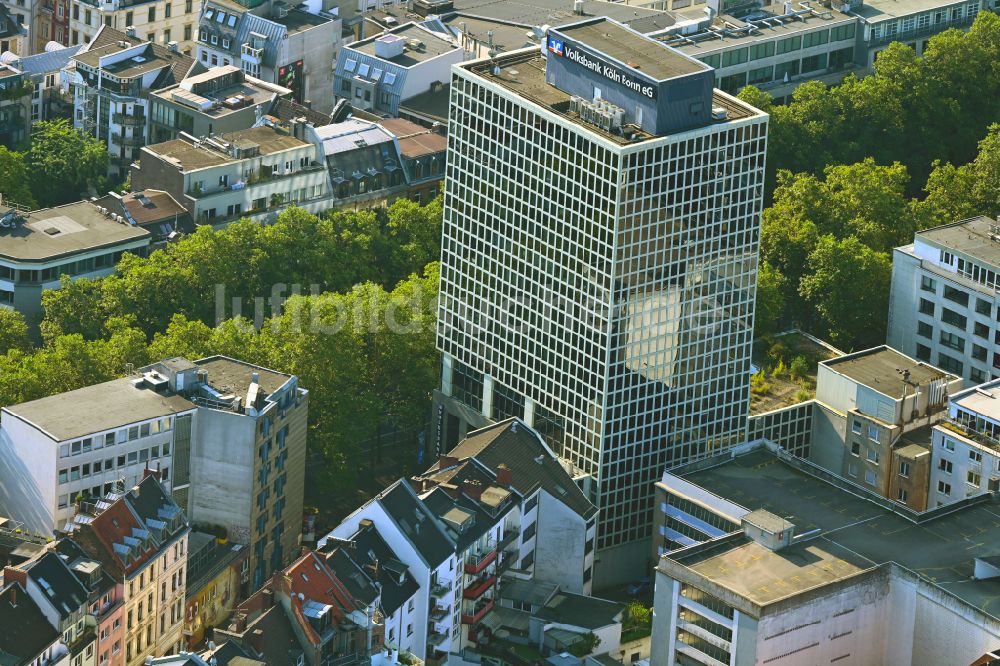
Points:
x=611, y=285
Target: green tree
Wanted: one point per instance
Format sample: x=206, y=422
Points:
x=14, y=179
x=956, y=193
x=848, y=285
x=771, y=288
x=13, y=331
x=64, y=162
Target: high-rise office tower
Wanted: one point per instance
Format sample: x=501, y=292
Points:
x=599, y=262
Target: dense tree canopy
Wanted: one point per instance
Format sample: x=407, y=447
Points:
x=912, y=110
x=64, y=162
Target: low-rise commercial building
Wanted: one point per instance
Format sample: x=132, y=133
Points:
x=112, y=78
x=943, y=306
x=794, y=581
x=38, y=247
x=254, y=173
x=274, y=42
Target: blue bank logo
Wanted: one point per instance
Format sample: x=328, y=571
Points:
x=556, y=45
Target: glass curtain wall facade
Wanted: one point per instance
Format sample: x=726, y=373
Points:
x=612, y=286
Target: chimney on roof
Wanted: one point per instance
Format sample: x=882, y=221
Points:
x=268, y=597
x=130, y=31
x=135, y=490
x=240, y=622
x=444, y=462
x=504, y=475
x=10, y=574
x=173, y=47
x=364, y=523
x=473, y=488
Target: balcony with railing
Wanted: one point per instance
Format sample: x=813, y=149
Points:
x=509, y=537
x=476, y=562
x=133, y=141
x=252, y=54
x=440, y=589
x=479, y=587
x=127, y=120
x=439, y=612
x=961, y=428
x=478, y=612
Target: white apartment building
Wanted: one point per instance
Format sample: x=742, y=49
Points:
x=599, y=262
x=943, y=303
x=500, y=505
x=157, y=21
x=227, y=438
x=111, y=78
x=249, y=173
x=966, y=446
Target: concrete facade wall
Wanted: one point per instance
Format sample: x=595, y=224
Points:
x=222, y=463
x=28, y=470
x=559, y=545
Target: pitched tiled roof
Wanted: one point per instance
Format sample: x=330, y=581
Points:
x=415, y=140
x=367, y=553
x=62, y=588
x=531, y=463
x=287, y=109
x=417, y=523
x=24, y=631
x=181, y=66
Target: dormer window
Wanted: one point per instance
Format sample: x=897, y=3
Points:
x=215, y=39
x=203, y=35
x=225, y=43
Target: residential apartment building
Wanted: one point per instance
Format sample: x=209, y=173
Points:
x=821, y=571
x=943, y=306
x=163, y=22
x=374, y=163
x=274, y=42
x=62, y=592
x=112, y=77
x=14, y=24
x=28, y=639
x=631, y=351
x=255, y=173
x=379, y=73
x=223, y=99
x=218, y=576
x=500, y=505
x=226, y=437
x=38, y=247
x=15, y=94
x=49, y=98
x=140, y=538
x=889, y=403
x=966, y=446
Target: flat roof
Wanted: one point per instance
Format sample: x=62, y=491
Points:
x=881, y=10
x=854, y=530
x=764, y=576
x=297, y=20
x=191, y=157
x=776, y=27
x=433, y=45
x=235, y=375
x=523, y=73
x=51, y=233
x=530, y=13
x=95, y=408
x=648, y=56
x=254, y=90
x=970, y=237
x=877, y=369
x=983, y=399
